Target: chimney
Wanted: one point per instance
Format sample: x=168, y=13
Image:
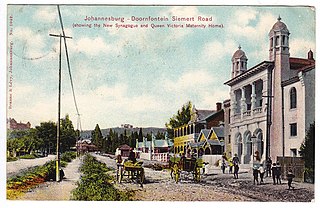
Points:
x=310, y=55
x=218, y=106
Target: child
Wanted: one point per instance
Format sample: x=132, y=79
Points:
x=290, y=177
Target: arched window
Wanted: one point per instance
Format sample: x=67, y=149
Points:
x=293, y=98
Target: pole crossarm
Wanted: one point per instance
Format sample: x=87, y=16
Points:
x=60, y=36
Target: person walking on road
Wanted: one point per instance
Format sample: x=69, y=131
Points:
x=255, y=175
x=268, y=165
x=223, y=165
x=278, y=173
x=236, y=162
x=261, y=172
x=290, y=177
x=274, y=172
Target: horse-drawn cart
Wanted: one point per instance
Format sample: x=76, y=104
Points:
x=183, y=166
x=133, y=171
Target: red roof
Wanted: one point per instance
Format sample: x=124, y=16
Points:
x=300, y=63
x=124, y=147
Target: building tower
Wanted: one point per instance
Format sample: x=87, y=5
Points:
x=239, y=62
x=279, y=54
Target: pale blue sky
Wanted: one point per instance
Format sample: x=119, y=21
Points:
x=138, y=76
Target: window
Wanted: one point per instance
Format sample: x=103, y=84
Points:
x=293, y=98
x=277, y=40
x=293, y=129
x=229, y=139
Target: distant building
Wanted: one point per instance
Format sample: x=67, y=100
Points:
x=200, y=119
x=14, y=125
x=156, y=149
x=127, y=126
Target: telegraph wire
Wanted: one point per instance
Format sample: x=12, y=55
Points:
x=69, y=68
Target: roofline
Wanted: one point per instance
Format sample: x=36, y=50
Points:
x=255, y=69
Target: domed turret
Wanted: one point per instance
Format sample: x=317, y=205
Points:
x=239, y=54
x=279, y=39
x=239, y=62
x=279, y=26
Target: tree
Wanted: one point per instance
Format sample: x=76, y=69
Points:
x=68, y=135
x=97, y=137
x=140, y=135
x=307, y=150
x=47, y=132
x=182, y=117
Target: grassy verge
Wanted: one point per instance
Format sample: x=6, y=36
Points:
x=96, y=184
x=29, y=179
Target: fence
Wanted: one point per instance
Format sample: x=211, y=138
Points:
x=161, y=157
x=295, y=163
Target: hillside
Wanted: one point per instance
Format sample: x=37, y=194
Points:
x=120, y=130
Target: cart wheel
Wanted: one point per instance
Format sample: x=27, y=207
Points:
x=117, y=175
x=197, y=175
x=141, y=177
x=176, y=172
x=120, y=175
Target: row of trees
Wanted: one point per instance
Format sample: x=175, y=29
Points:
x=42, y=138
x=113, y=140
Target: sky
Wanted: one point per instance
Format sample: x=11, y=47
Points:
x=140, y=76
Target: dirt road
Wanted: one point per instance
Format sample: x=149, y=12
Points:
x=57, y=190
x=213, y=187
x=16, y=167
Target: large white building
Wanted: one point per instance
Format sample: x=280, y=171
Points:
x=273, y=103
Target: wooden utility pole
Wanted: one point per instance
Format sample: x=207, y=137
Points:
x=59, y=100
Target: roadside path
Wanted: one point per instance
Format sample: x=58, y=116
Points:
x=57, y=190
x=16, y=167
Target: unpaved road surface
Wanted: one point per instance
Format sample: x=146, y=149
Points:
x=213, y=187
x=57, y=190
x=16, y=167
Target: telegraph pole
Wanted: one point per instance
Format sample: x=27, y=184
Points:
x=59, y=100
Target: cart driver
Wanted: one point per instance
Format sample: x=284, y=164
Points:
x=132, y=156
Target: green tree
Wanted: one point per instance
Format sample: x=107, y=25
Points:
x=140, y=135
x=68, y=135
x=182, y=117
x=307, y=150
x=97, y=138
x=47, y=133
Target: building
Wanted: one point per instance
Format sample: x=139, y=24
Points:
x=209, y=142
x=271, y=104
x=14, y=125
x=156, y=149
x=200, y=119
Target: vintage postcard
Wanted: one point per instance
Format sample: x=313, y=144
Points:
x=110, y=102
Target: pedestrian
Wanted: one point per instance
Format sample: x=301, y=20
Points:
x=236, y=162
x=261, y=172
x=268, y=164
x=255, y=175
x=223, y=165
x=230, y=166
x=236, y=171
x=278, y=173
x=132, y=156
x=274, y=172
x=290, y=177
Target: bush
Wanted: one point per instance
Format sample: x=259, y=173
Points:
x=10, y=159
x=68, y=156
x=95, y=183
x=32, y=156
